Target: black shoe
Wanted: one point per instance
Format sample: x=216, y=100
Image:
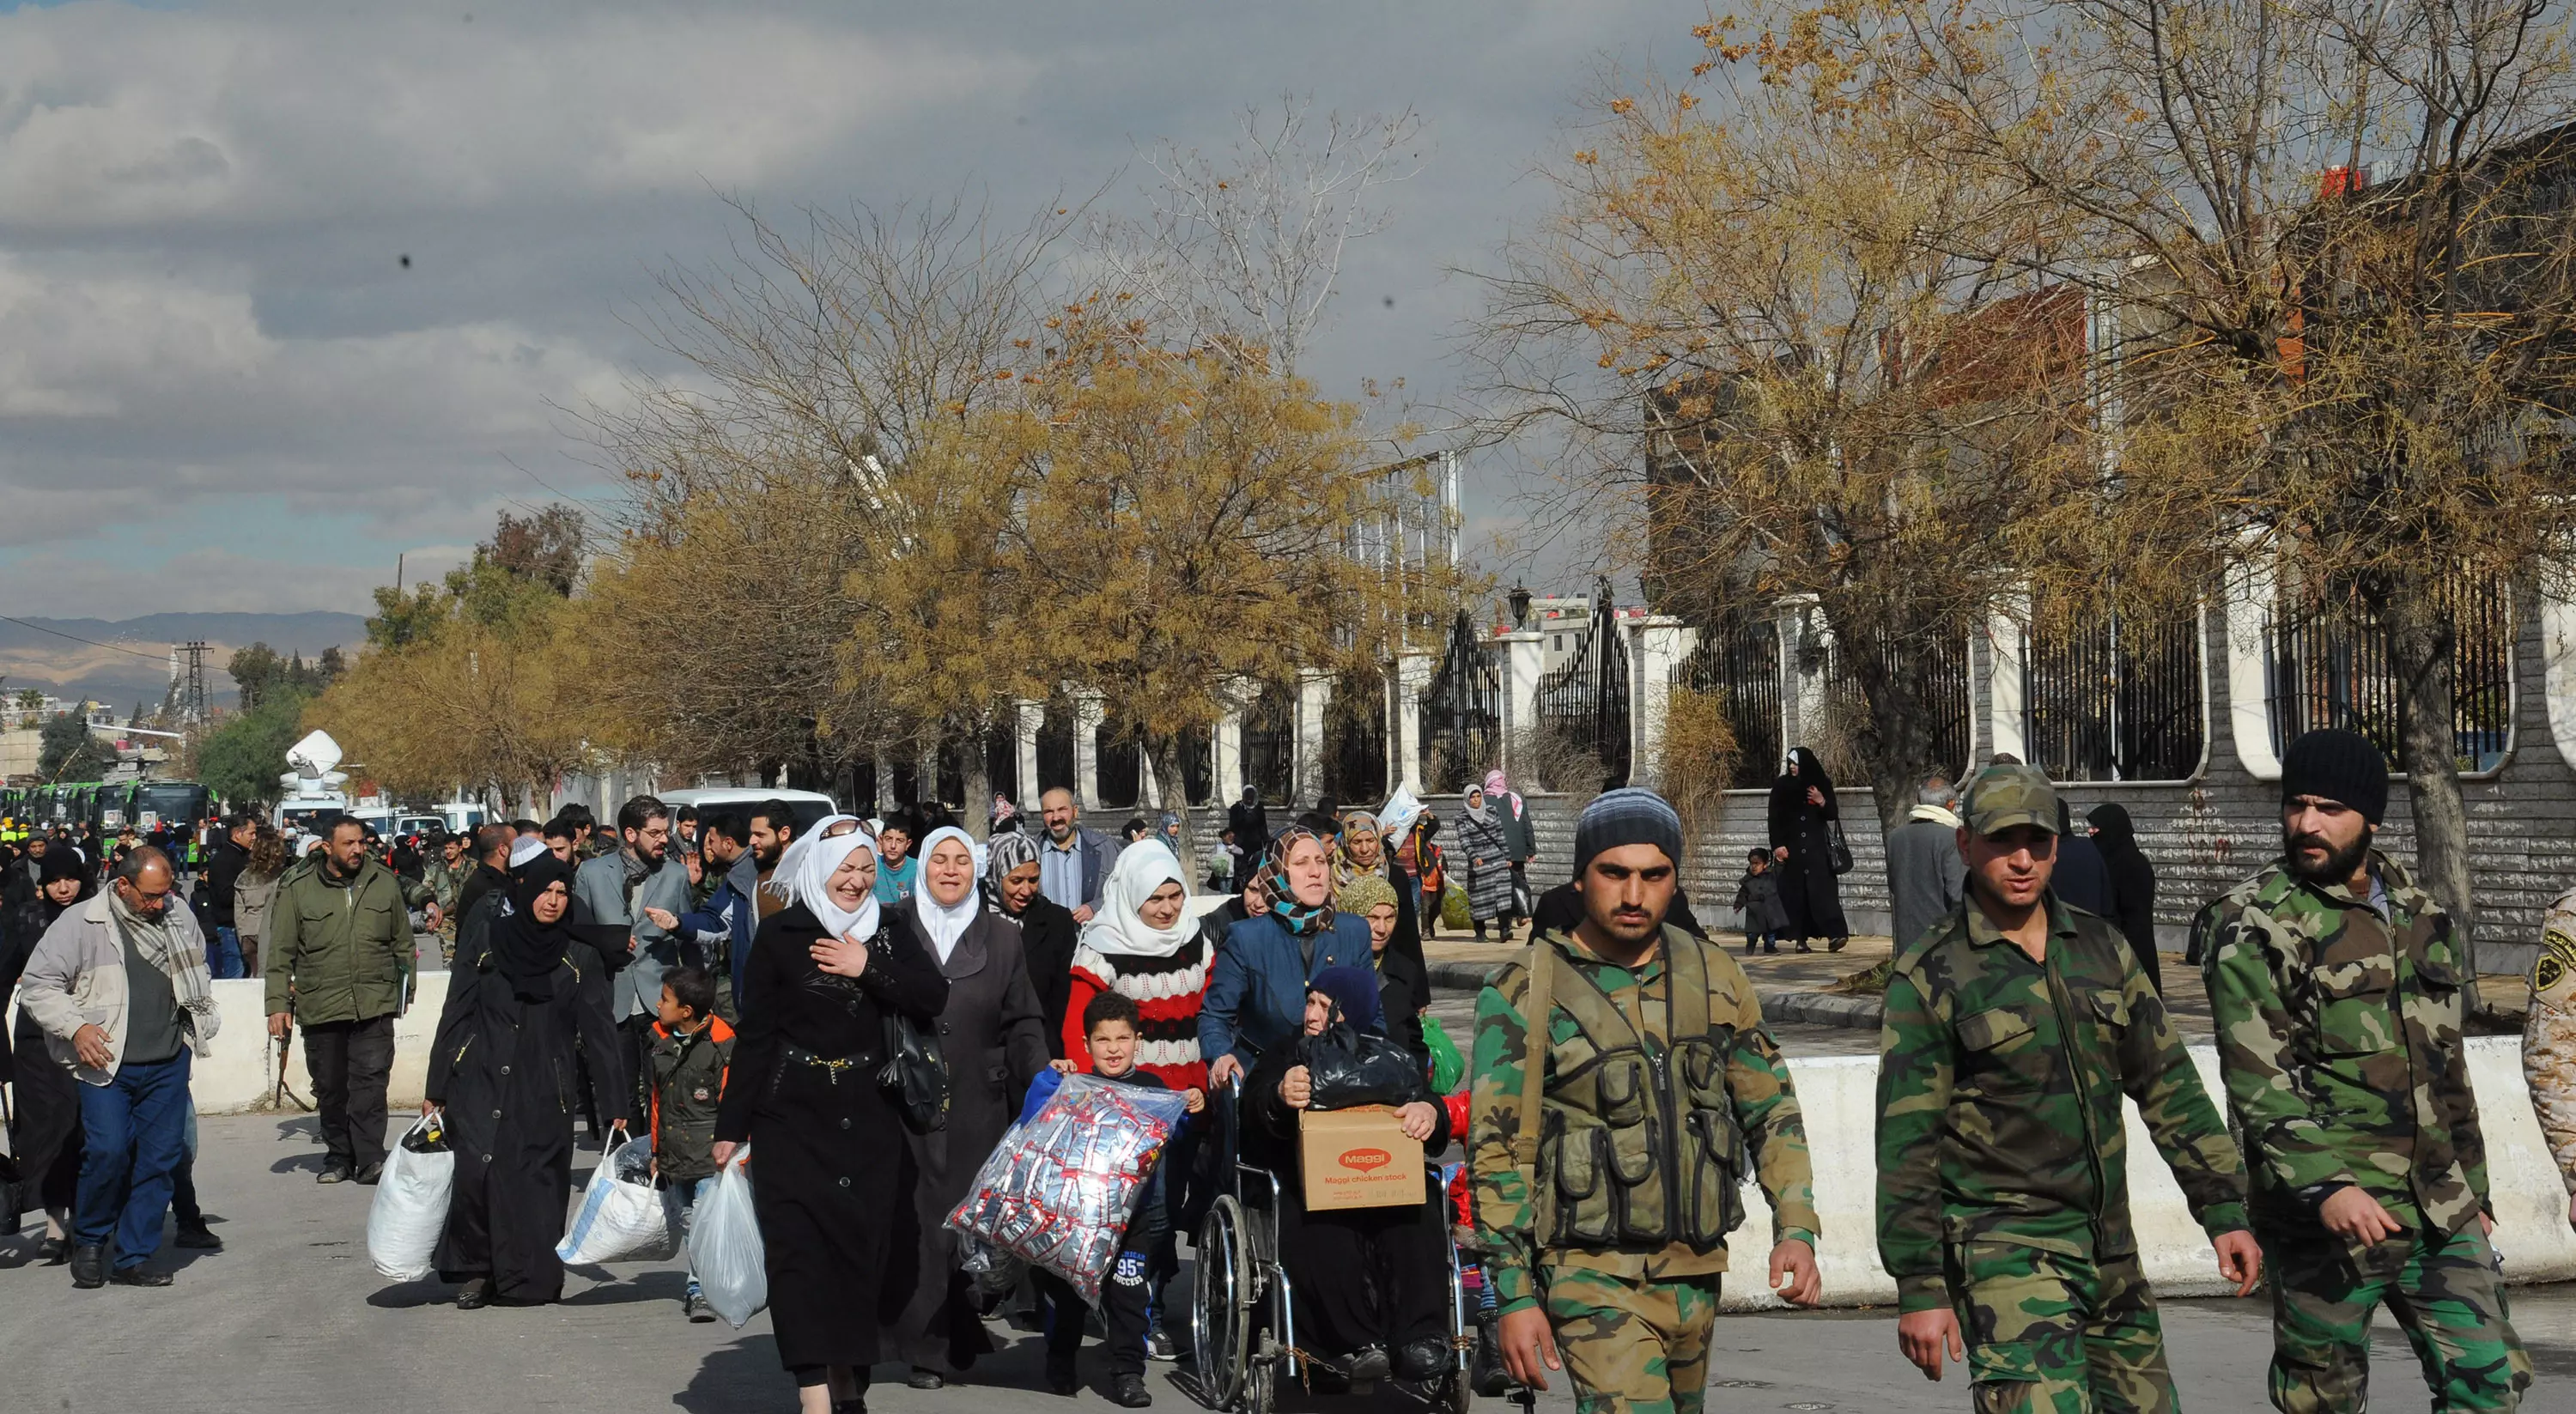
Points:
x=1060, y=1377
x=54, y=1251
x=198, y=1239
x=851, y=1406
x=1770, y=947
x=1365, y=1365
x=89, y=1268
x=1802, y=946
x=1159, y=1347
x=923, y=1378
x=366, y=1177
x=336, y=1173
x=1128, y=1392
x=1422, y=1359
x=1835, y=944
x=1486, y=1376
x=136, y=1276
x=474, y=1295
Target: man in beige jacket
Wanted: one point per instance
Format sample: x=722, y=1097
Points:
x=120, y=987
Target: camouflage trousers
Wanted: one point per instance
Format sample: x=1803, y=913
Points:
x=2442, y=1288
x=1634, y=1347
x=2049, y=1333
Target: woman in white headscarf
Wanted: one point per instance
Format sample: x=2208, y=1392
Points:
x=836, y=1177
x=992, y=1032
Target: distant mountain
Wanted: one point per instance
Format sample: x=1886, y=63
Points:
x=125, y=661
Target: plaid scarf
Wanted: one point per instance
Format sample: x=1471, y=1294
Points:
x=1301, y=920
x=179, y=959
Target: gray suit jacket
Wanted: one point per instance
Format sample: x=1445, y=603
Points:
x=1925, y=877
x=1097, y=853
x=600, y=887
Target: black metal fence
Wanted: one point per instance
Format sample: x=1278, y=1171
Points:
x=1055, y=751
x=2328, y=664
x=1944, y=661
x=1462, y=711
x=1355, y=748
x=1585, y=703
x=1121, y=763
x=1270, y=743
x=1739, y=660
x=2115, y=698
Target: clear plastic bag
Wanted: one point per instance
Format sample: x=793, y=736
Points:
x=1058, y=1191
x=621, y=1217
x=409, y=1212
x=724, y=1245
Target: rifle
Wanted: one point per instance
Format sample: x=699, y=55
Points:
x=277, y=1098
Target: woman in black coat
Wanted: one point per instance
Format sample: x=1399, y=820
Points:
x=1803, y=814
x=834, y=1176
x=1370, y=1282
x=1048, y=934
x=45, y=1128
x=523, y=991
x=992, y=1034
x=2133, y=885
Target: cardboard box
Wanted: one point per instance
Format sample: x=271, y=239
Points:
x=1358, y=1158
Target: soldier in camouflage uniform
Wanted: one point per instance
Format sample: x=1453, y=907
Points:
x=2335, y=984
x=2012, y=1032
x=2549, y=1038
x=1605, y=1225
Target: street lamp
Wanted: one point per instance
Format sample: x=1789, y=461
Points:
x=1519, y=599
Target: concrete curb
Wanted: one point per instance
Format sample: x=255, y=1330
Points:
x=1778, y=1003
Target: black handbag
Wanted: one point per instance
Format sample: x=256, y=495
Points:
x=915, y=1075
x=1347, y=1068
x=1837, y=849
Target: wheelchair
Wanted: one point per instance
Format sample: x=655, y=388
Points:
x=1243, y=1316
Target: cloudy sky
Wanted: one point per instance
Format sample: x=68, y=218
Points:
x=220, y=387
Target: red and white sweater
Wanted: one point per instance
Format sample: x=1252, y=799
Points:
x=1167, y=992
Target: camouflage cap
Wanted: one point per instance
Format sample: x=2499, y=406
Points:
x=2004, y=796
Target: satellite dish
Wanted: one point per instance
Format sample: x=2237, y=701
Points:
x=315, y=755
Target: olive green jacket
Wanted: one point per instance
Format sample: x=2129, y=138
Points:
x=341, y=950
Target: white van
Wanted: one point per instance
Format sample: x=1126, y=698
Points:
x=804, y=805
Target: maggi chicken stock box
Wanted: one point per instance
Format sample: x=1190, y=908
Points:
x=1358, y=1158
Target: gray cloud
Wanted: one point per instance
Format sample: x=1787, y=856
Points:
x=208, y=338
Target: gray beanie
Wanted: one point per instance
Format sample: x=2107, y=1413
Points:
x=1629, y=815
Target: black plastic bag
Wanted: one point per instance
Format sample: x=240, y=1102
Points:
x=1348, y=1068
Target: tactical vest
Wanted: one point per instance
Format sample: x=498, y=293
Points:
x=1636, y=1147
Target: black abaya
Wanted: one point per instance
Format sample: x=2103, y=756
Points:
x=2133, y=886
x=832, y=1173
x=45, y=1122
x=503, y=1068
x=1809, y=891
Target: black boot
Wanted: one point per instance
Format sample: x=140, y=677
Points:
x=1485, y=1374
x=1128, y=1392
x=89, y=1268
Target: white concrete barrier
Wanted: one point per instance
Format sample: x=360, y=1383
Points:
x=1839, y=1097
x=242, y=1073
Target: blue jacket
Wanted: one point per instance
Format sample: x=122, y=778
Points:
x=1256, y=996
x=729, y=917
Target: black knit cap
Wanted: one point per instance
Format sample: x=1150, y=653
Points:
x=2337, y=765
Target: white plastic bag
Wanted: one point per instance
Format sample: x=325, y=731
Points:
x=410, y=1208
x=621, y=1217
x=724, y=1245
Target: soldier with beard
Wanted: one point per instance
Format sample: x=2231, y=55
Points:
x=2336, y=986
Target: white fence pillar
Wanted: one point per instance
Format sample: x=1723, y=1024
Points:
x=1314, y=695
x=1655, y=649
x=2007, y=685
x=1803, y=673
x=1027, y=719
x=1413, y=670
x=1524, y=663
x=1087, y=716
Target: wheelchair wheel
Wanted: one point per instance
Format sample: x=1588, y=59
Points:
x=1221, y=1313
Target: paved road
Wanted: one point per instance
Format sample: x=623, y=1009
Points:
x=292, y=1318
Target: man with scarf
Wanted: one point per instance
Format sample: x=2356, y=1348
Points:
x=1926, y=878
x=619, y=889
x=121, y=988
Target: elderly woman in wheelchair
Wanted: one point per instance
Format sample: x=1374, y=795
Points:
x=1374, y=1286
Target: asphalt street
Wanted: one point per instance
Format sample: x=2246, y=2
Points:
x=290, y=1317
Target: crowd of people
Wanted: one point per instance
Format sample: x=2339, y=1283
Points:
x=730, y=984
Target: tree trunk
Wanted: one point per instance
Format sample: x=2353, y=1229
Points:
x=2420, y=653
x=977, y=819
x=1163, y=758
x=1895, y=734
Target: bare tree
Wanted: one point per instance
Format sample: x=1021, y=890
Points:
x=1248, y=244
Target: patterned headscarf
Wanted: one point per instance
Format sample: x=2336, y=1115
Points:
x=1002, y=854
x=1301, y=919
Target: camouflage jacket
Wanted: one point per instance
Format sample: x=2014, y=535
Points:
x=2339, y=1040
x=1764, y=1110
x=2549, y=1035
x=1999, y=1086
